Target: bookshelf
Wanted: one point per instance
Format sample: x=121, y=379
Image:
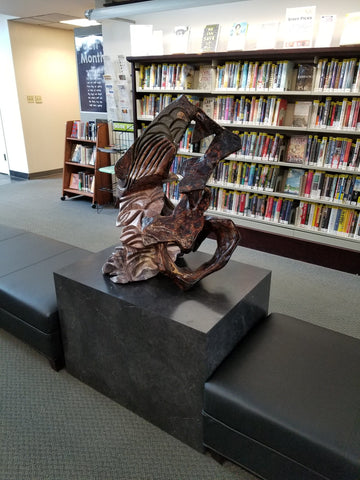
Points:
x=83, y=159
x=320, y=226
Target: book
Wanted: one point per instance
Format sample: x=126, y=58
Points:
x=205, y=80
x=301, y=114
x=75, y=181
x=297, y=147
x=210, y=38
x=267, y=35
x=304, y=77
x=237, y=36
x=141, y=39
x=293, y=181
x=299, y=25
x=350, y=33
x=180, y=40
x=76, y=154
x=325, y=31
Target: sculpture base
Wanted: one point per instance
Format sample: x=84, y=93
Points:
x=150, y=346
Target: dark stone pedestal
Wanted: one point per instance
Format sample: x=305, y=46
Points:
x=150, y=346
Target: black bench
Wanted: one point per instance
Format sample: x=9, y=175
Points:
x=285, y=404
x=28, y=305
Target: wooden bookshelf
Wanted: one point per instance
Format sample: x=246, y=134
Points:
x=83, y=177
x=335, y=249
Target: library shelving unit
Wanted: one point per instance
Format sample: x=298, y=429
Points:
x=321, y=227
x=82, y=160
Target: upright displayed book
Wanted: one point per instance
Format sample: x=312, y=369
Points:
x=296, y=151
x=293, y=181
x=350, y=33
x=325, y=31
x=205, y=80
x=299, y=27
x=237, y=36
x=210, y=38
x=141, y=39
x=180, y=39
x=267, y=35
x=305, y=77
x=301, y=115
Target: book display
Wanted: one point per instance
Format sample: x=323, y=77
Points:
x=82, y=160
x=294, y=106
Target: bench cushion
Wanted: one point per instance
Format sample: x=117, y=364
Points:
x=286, y=402
x=28, y=305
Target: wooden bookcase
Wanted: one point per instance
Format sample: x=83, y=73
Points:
x=333, y=249
x=95, y=185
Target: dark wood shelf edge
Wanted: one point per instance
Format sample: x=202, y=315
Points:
x=328, y=256
x=81, y=140
x=84, y=193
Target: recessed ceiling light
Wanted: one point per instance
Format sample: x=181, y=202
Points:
x=81, y=22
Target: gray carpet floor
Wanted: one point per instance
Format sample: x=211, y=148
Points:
x=53, y=427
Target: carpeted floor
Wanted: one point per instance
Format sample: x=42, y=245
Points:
x=53, y=427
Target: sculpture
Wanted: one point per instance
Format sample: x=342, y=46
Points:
x=155, y=233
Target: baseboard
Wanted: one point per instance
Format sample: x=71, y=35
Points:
x=45, y=173
x=22, y=175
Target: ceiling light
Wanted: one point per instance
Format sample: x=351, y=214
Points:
x=81, y=22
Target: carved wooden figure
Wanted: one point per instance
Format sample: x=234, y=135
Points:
x=156, y=234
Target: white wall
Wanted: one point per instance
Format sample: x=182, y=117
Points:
x=9, y=104
x=45, y=65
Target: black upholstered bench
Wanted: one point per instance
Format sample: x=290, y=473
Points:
x=286, y=403
x=28, y=305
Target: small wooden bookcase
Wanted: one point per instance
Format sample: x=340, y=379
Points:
x=83, y=177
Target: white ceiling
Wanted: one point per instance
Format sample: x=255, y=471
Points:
x=31, y=8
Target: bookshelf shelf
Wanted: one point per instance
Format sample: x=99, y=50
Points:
x=84, y=172
x=343, y=233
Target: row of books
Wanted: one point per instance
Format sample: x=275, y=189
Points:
x=328, y=75
x=166, y=76
x=329, y=152
x=260, y=146
x=83, y=154
x=332, y=75
x=247, y=175
x=337, y=114
x=82, y=181
x=152, y=104
x=316, y=185
x=250, y=76
x=338, y=75
x=325, y=151
x=246, y=110
x=324, y=186
x=84, y=130
x=312, y=216
x=334, y=220
x=266, y=111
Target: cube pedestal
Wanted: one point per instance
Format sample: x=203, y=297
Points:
x=151, y=346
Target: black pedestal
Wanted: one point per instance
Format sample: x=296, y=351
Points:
x=149, y=345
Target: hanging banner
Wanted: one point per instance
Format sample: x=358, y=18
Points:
x=90, y=62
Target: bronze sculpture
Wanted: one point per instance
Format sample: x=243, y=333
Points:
x=155, y=233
